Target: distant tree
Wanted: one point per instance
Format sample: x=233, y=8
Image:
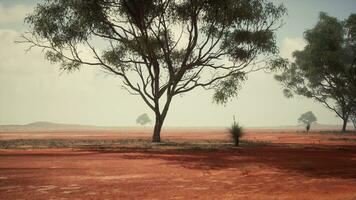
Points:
x=325, y=69
x=307, y=118
x=143, y=119
x=159, y=48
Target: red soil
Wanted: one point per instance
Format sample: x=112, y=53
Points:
x=260, y=172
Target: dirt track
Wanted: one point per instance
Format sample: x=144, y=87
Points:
x=254, y=172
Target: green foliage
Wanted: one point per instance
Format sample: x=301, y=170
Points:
x=351, y=29
x=143, y=119
x=227, y=89
x=325, y=69
x=235, y=132
x=65, y=23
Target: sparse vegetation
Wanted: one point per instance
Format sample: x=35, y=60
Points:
x=333, y=132
x=64, y=143
x=352, y=140
x=121, y=143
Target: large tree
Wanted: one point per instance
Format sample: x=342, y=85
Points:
x=325, y=69
x=159, y=48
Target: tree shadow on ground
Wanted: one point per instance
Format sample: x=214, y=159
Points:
x=313, y=162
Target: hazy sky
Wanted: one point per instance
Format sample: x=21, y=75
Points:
x=31, y=89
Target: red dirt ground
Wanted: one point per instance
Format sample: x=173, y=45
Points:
x=295, y=166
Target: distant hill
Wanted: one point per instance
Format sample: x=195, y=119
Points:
x=49, y=126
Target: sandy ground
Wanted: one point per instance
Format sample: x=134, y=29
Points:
x=293, y=166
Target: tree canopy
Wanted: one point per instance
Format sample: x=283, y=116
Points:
x=159, y=48
x=325, y=69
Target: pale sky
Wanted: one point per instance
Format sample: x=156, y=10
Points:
x=31, y=89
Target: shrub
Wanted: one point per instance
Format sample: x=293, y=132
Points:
x=236, y=132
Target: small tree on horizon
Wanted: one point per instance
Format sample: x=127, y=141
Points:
x=143, y=119
x=307, y=119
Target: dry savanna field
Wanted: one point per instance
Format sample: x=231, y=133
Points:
x=103, y=62
x=189, y=164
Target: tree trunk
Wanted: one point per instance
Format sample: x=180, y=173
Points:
x=237, y=141
x=160, y=117
x=344, y=125
x=157, y=130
